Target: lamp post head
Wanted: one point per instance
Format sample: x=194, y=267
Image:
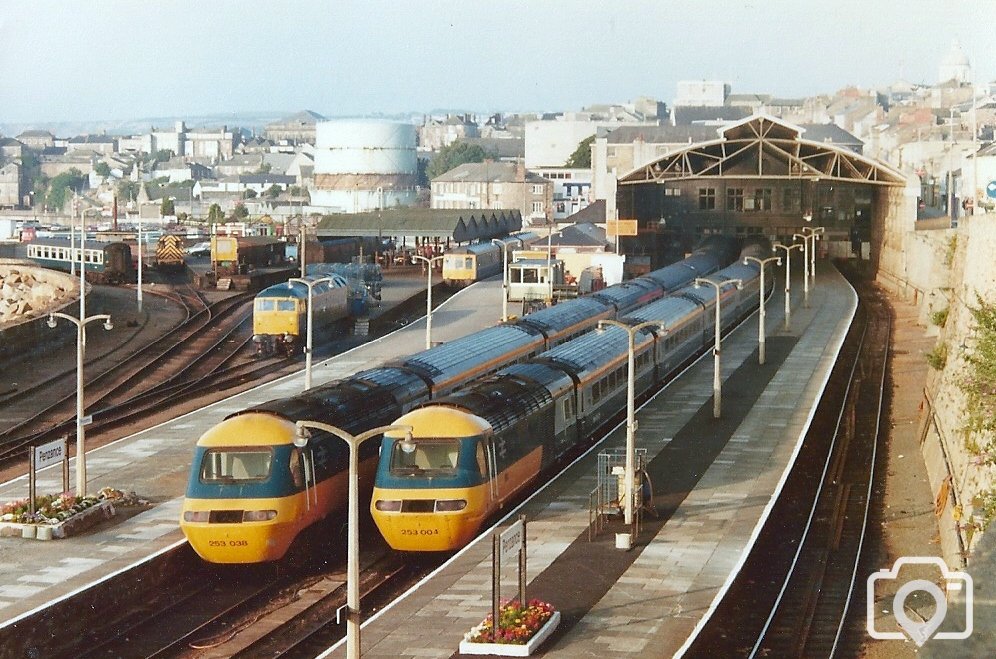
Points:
x=51, y=321
x=778, y=260
x=108, y=325
x=301, y=436
x=408, y=443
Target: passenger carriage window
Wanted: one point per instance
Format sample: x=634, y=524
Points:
x=235, y=465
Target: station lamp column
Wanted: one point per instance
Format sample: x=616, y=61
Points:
x=307, y=345
x=504, y=277
x=760, y=321
x=804, y=237
x=717, y=387
x=428, y=299
x=788, y=277
x=80, y=439
x=631, y=408
x=353, y=521
x=814, y=233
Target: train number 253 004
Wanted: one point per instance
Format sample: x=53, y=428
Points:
x=419, y=531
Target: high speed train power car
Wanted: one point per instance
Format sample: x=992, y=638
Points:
x=471, y=452
x=251, y=491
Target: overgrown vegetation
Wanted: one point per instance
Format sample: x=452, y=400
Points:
x=456, y=154
x=581, y=158
x=939, y=318
x=949, y=254
x=979, y=386
x=938, y=357
x=979, y=383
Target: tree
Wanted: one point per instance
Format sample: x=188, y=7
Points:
x=581, y=158
x=166, y=207
x=215, y=214
x=103, y=169
x=57, y=190
x=251, y=194
x=273, y=192
x=240, y=212
x=128, y=190
x=456, y=154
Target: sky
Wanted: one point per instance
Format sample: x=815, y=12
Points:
x=125, y=59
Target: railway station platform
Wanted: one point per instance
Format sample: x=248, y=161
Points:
x=155, y=464
x=714, y=484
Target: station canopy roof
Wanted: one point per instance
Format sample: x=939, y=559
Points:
x=460, y=225
x=764, y=147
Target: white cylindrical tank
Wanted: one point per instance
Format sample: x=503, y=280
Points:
x=363, y=165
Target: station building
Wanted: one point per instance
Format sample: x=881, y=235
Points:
x=759, y=176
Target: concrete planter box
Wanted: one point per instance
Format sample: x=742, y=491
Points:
x=511, y=650
x=76, y=524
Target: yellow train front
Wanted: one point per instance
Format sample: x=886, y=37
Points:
x=470, y=454
x=430, y=493
x=465, y=265
x=279, y=318
x=251, y=491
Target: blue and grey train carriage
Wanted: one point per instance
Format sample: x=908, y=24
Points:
x=105, y=262
x=462, y=266
x=471, y=452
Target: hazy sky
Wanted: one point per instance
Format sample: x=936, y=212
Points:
x=122, y=59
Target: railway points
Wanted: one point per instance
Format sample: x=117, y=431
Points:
x=714, y=482
x=155, y=464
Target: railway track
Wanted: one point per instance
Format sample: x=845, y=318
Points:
x=197, y=355
x=795, y=591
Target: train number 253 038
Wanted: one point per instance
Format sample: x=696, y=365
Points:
x=229, y=543
x=419, y=531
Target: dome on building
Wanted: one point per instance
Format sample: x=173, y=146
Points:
x=955, y=65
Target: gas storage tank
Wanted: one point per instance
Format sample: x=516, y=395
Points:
x=364, y=165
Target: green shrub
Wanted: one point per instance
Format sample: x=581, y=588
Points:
x=939, y=318
x=938, y=357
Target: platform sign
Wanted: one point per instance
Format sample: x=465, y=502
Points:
x=50, y=454
x=509, y=544
x=621, y=228
x=43, y=456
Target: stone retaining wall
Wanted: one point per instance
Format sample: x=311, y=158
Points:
x=27, y=295
x=945, y=270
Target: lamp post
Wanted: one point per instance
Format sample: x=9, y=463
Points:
x=310, y=283
x=804, y=237
x=815, y=233
x=760, y=320
x=504, y=277
x=428, y=299
x=83, y=213
x=139, y=293
x=630, y=406
x=353, y=522
x=717, y=390
x=788, y=277
x=80, y=440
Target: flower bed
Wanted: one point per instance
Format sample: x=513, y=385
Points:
x=56, y=515
x=520, y=630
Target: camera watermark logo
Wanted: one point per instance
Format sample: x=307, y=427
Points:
x=920, y=632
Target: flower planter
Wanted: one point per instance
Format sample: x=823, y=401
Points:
x=78, y=523
x=510, y=649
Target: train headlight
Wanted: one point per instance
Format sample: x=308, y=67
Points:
x=196, y=515
x=389, y=506
x=450, y=505
x=258, y=515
